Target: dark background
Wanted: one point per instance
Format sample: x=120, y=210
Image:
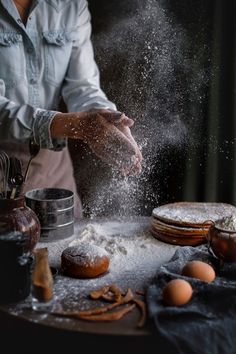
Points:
x=181, y=96
x=170, y=66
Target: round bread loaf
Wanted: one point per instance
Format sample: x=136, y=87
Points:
x=84, y=261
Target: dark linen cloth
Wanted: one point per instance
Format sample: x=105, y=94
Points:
x=207, y=324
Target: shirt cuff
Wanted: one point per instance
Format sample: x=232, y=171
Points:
x=43, y=119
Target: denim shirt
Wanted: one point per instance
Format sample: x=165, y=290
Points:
x=48, y=58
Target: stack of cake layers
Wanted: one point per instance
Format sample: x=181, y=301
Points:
x=187, y=223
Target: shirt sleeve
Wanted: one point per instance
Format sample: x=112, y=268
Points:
x=81, y=90
x=20, y=122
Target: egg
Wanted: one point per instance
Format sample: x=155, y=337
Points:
x=177, y=292
x=199, y=270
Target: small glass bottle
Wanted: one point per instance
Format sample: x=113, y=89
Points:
x=43, y=298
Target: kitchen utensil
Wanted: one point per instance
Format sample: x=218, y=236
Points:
x=4, y=165
x=34, y=149
x=55, y=210
x=15, y=178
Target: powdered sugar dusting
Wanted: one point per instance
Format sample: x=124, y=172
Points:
x=87, y=253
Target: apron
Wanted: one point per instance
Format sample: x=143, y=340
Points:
x=48, y=169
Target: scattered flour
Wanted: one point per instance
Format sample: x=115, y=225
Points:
x=112, y=236
x=194, y=213
x=135, y=255
x=227, y=223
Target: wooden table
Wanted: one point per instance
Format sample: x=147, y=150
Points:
x=20, y=321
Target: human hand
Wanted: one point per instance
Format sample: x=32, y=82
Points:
x=123, y=123
x=103, y=137
x=124, y=127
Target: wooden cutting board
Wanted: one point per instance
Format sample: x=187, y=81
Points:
x=178, y=230
x=187, y=223
x=180, y=241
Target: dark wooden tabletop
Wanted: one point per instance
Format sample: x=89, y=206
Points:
x=24, y=324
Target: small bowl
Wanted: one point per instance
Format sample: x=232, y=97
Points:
x=222, y=243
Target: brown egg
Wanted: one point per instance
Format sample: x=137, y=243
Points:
x=177, y=292
x=199, y=270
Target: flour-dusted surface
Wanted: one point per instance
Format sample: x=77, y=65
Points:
x=134, y=253
x=193, y=213
x=135, y=256
x=227, y=223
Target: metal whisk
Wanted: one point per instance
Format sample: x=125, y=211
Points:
x=34, y=149
x=5, y=166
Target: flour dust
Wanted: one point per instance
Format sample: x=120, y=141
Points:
x=152, y=67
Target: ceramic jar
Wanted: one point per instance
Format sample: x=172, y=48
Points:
x=222, y=243
x=16, y=216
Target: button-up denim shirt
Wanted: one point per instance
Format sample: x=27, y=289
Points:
x=48, y=58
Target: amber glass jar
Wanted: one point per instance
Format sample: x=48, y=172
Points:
x=16, y=216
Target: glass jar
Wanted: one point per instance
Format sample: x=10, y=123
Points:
x=16, y=216
x=15, y=267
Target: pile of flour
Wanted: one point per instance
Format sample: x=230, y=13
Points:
x=135, y=256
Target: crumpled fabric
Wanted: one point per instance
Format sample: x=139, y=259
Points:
x=205, y=325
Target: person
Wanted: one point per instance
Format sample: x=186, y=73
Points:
x=46, y=56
